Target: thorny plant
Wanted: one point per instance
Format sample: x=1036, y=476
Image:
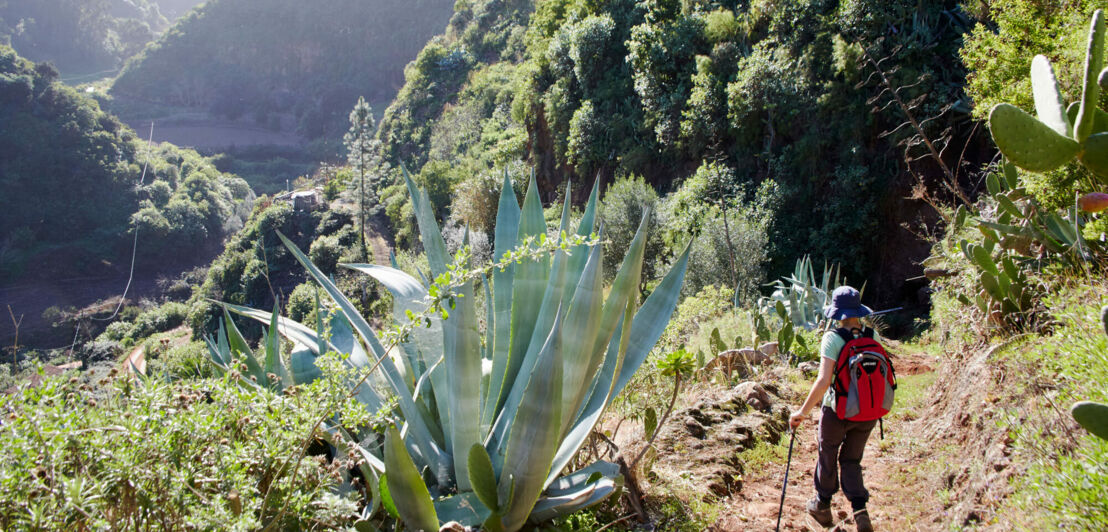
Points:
x=442, y=296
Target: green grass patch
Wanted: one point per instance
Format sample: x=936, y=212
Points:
x=1066, y=485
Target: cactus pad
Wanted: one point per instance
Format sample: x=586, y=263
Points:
x=1092, y=416
x=1027, y=142
x=1095, y=155
x=1048, y=103
x=1094, y=60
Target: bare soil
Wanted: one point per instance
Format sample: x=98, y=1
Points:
x=943, y=463
x=894, y=505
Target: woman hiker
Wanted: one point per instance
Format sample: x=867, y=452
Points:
x=841, y=443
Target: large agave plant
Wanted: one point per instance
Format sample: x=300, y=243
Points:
x=484, y=428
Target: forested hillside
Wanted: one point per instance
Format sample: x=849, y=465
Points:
x=284, y=64
x=782, y=98
x=93, y=183
x=80, y=36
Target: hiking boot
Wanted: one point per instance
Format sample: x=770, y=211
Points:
x=821, y=512
x=861, y=520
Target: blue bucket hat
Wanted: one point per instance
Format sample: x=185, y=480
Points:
x=846, y=302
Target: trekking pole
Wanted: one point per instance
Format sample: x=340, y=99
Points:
x=784, y=485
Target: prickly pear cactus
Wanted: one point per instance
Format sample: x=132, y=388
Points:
x=1056, y=135
x=1094, y=416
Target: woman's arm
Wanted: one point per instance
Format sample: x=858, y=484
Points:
x=823, y=381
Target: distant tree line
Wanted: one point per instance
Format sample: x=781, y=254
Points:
x=268, y=60
x=72, y=181
x=80, y=36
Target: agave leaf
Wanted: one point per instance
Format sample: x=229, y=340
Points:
x=465, y=508
x=482, y=478
x=307, y=345
x=429, y=232
x=579, y=478
x=651, y=320
x=547, y=316
x=426, y=343
x=302, y=366
x=600, y=395
x=408, y=295
x=529, y=285
x=223, y=346
x=463, y=371
x=413, y=501
x=639, y=338
x=534, y=434
x=242, y=348
x=273, y=365
x=592, y=493
x=582, y=356
x=439, y=461
x=215, y=356
x=507, y=230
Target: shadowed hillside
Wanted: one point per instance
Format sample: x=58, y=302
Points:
x=285, y=64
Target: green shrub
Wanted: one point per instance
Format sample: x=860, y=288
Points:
x=325, y=252
x=184, y=361
x=301, y=303
x=196, y=454
x=621, y=210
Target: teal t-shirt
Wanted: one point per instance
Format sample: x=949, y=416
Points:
x=830, y=347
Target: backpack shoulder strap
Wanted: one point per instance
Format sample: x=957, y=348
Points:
x=867, y=332
x=845, y=334
x=842, y=361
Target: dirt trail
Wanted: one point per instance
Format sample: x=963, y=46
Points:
x=899, y=499
x=379, y=240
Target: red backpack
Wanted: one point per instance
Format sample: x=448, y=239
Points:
x=864, y=379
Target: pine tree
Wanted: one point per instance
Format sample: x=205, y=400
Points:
x=363, y=153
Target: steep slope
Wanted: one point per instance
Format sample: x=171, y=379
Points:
x=286, y=64
x=778, y=95
x=80, y=37
x=76, y=182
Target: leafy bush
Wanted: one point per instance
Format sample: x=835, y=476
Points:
x=325, y=252
x=255, y=266
x=301, y=303
x=621, y=210
x=205, y=454
x=184, y=361
x=54, y=133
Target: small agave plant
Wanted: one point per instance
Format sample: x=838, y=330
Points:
x=483, y=430
x=801, y=297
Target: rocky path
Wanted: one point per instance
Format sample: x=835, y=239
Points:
x=901, y=497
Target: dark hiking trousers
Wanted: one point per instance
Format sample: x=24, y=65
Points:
x=841, y=444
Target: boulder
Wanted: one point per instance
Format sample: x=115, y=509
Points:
x=769, y=348
x=809, y=369
x=694, y=428
x=734, y=360
x=755, y=395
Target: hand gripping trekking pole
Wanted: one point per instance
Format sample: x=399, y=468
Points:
x=781, y=508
